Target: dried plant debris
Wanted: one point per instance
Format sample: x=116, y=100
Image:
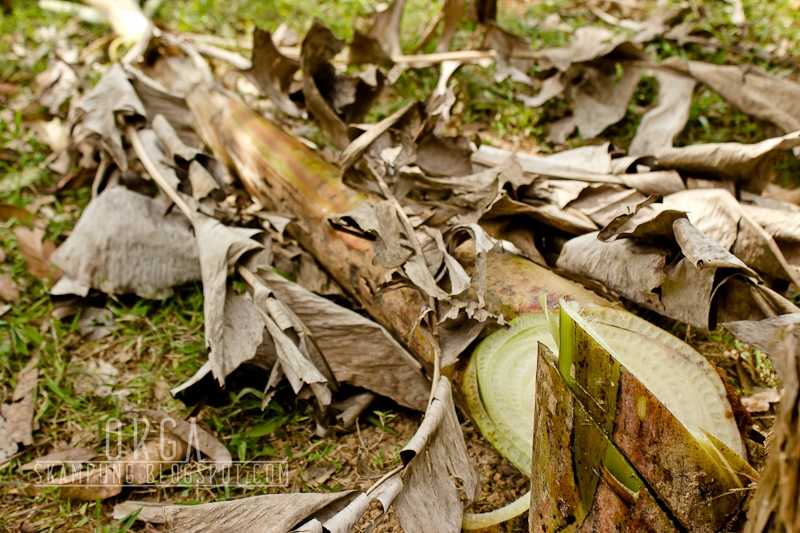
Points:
x=433, y=247
x=753, y=91
x=124, y=243
x=113, y=97
x=18, y=414
x=135, y=468
x=773, y=508
x=37, y=249
x=358, y=351
x=668, y=265
x=273, y=513
x=333, y=99
x=273, y=73
x=8, y=446
x=436, y=452
x=661, y=124
x=68, y=457
x=430, y=501
x=749, y=165
x=193, y=435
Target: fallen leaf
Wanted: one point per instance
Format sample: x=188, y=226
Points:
x=152, y=512
x=750, y=165
x=345, y=520
x=157, y=100
x=36, y=250
x=760, y=401
x=55, y=85
x=8, y=289
x=551, y=87
x=273, y=72
x=19, y=414
x=70, y=456
x=112, y=97
x=351, y=408
x=359, y=351
x=193, y=435
x=601, y=99
x=220, y=248
x=754, y=91
x=333, y=99
x=8, y=446
x=687, y=288
x=430, y=501
x=717, y=214
x=590, y=43
x=123, y=243
x=778, y=338
x=380, y=221
x=662, y=123
x=298, y=354
x=271, y=513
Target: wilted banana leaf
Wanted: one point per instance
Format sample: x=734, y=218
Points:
x=286, y=176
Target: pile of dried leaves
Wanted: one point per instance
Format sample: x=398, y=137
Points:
x=438, y=241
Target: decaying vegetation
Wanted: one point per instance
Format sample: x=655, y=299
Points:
x=358, y=255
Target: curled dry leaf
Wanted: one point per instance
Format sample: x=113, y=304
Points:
x=334, y=100
x=273, y=72
x=753, y=90
x=750, y=165
x=123, y=243
x=590, y=43
x=716, y=213
x=359, y=351
x=220, y=248
x=601, y=99
x=112, y=97
x=662, y=123
x=647, y=268
x=157, y=100
x=430, y=501
x=298, y=354
x=272, y=513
